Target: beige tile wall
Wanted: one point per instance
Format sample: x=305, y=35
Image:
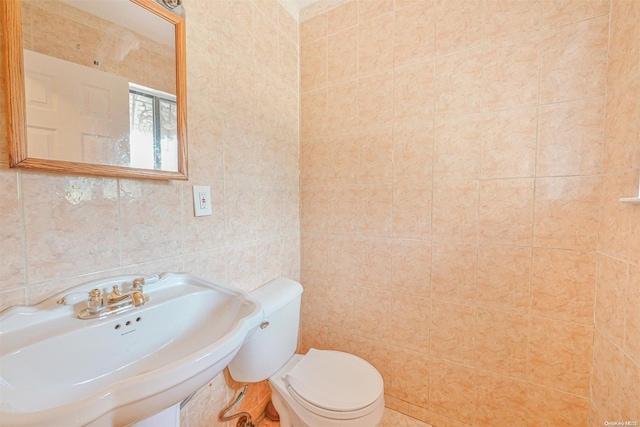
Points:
x=461, y=164
x=57, y=231
x=615, y=392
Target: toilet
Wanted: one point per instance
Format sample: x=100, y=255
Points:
x=323, y=388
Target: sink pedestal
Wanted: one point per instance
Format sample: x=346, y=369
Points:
x=168, y=418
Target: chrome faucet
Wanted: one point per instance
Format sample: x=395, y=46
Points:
x=116, y=301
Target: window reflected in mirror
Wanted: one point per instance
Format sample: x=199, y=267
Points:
x=153, y=116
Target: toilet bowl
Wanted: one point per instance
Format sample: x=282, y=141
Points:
x=328, y=388
x=323, y=388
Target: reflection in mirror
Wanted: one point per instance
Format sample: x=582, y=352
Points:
x=96, y=87
x=100, y=83
x=152, y=129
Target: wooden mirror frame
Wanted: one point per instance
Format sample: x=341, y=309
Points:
x=16, y=105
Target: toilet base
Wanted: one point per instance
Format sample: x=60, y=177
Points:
x=271, y=412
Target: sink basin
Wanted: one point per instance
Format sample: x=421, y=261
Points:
x=59, y=370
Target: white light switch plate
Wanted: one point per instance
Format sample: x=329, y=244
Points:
x=201, y=200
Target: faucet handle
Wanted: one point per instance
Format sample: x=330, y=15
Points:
x=139, y=283
x=72, y=298
x=95, y=300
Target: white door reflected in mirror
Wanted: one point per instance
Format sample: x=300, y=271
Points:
x=74, y=112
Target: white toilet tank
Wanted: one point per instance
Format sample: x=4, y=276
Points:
x=276, y=340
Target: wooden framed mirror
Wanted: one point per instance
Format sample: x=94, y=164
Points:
x=96, y=87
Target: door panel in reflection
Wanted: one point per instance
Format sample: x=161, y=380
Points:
x=75, y=113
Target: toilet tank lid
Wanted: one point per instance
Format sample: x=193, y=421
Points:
x=276, y=294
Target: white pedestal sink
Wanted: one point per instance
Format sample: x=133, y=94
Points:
x=59, y=370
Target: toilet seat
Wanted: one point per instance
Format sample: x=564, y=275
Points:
x=334, y=384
